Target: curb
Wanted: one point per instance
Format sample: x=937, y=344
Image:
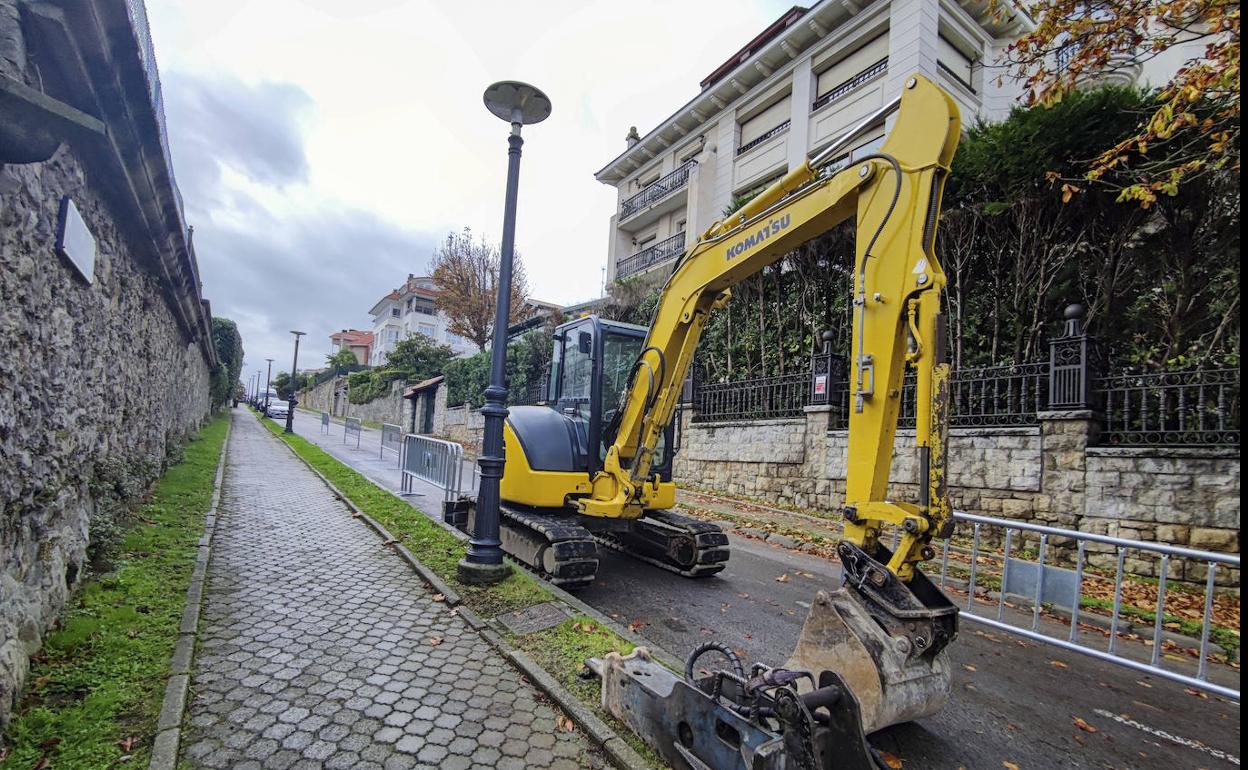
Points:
x=599, y=732
x=169, y=723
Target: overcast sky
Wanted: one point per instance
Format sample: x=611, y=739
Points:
x=324, y=147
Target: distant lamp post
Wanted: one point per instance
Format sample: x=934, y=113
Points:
x=268, y=382
x=518, y=104
x=294, y=372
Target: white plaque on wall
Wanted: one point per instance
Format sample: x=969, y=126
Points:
x=74, y=241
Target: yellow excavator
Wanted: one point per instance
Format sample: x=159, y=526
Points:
x=593, y=466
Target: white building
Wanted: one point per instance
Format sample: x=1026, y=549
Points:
x=799, y=84
x=409, y=310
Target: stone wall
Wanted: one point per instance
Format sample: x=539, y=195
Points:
x=98, y=388
x=1050, y=474
x=101, y=380
x=331, y=396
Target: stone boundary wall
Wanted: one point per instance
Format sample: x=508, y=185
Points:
x=99, y=388
x=1046, y=474
x=331, y=396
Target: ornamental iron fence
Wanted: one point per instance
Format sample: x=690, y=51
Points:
x=1192, y=408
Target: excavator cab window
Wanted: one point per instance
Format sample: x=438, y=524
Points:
x=592, y=363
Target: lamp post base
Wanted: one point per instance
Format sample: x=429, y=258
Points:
x=476, y=574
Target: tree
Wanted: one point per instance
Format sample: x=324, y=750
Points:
x=341, y=360
x=418, y=357
x=1189, y=131
x=281, y=384
x=229, y=345
x=465, y=272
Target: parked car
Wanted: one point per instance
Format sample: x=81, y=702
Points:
x=278, y=409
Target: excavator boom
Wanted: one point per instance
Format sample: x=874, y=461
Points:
x=872, y=652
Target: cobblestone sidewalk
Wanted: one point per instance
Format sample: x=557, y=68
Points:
x=320, y=649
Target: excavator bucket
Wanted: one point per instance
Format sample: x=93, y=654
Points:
x=886, y=639
x=892, y=687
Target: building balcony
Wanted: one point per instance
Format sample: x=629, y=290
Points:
x=659, y=197
x=862, y=78
x=650, y=256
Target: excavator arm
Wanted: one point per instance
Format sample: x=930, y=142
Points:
x=894, y=198
x=871, y=652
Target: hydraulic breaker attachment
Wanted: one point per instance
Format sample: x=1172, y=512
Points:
x=886, y=639
x=728, y=721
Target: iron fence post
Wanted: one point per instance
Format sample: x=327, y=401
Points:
x=1074, y=363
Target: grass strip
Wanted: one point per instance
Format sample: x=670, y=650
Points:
x=561, y=650
x=95, y=689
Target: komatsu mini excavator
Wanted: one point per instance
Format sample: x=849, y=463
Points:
x=595, y=468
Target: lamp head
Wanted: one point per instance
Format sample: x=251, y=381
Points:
x=517, y=102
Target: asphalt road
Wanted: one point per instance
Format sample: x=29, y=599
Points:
x=1014, y=701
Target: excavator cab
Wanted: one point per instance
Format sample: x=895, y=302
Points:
x=589, y=375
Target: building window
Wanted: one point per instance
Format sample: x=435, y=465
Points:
x=851, y=71
x=395, y=312
x=955, y=61
x=765, y=124
x=428, y=330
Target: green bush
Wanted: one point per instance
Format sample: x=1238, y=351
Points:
x=528, y=358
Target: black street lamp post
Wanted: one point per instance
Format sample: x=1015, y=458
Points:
x=268, y=382
x=518, y=104
x=294, y=372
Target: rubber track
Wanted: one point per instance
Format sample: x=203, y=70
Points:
x=710, y=542
x=576, y=553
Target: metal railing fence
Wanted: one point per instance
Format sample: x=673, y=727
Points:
x=350, y=426
x=433, y=460
x=1035, y=570
x=657, y=191
x=755, y=399
x=391, y=440
x=1194, y=408
x=654, y=254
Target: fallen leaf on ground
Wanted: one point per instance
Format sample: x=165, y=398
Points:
x=749, y=635
x=969, y=667
x=439, y=598
x=1009, y=766
x=128, y=744
x=891, y=760
x=391, y=541
x=783, y=578
x=1082, y=725
x=435, y=640
x=1058, y=664
x=1144, y=684
x=356, y=515
x=636, y=626
x=43, y=764
x=565, y=724
x=1195, y=693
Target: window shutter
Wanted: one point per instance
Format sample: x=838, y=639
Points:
x=957, y=62
x=851, y=65
x=764, y=121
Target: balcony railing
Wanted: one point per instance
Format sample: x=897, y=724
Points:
x=780, y=129
x=879, y=68
x=651, y=255
x=657, y=191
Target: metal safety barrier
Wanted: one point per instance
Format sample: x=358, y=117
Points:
x=352, y=425
x=433, y=460
x=325, y=423
x=1035, y=569
x=391, y=440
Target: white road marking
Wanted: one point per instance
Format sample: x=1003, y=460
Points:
x=1153, y=731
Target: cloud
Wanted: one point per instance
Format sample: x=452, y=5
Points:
x=273, y=256
x=222, y=122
